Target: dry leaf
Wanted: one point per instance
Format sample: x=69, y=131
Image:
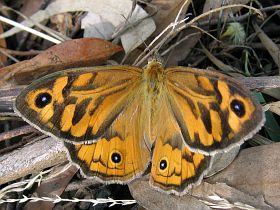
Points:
x=74, y=53
x=96, y=26
x=114, y=11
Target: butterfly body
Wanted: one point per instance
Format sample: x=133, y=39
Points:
x=154, y=78
x=175, y=118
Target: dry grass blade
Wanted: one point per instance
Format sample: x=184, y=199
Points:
x=35, y=32
x=272, y=48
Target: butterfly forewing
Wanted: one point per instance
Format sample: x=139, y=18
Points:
x=80, y=104
x=214, y=112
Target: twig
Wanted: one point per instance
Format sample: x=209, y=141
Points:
x=16, y=132
x=21, y=53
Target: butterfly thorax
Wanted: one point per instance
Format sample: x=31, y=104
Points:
x=153, y=77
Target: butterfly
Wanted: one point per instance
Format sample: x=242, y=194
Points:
x=119, y=121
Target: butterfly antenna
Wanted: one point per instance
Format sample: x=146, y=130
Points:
x=170, y=30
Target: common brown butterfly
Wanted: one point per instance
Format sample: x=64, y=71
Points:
x=115, y=120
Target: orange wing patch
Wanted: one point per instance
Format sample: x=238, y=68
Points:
x=175, y=169
x=112, y=160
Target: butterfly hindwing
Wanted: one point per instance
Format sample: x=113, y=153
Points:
x=174, y=167
x=79, y=104
x=121, y=154
x=214, y=111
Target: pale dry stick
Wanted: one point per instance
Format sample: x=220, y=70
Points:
x=239, y=18
x=31, y=30
x=142, y=57
x=51, y=32
x=179, y=13
x=151, y=51
x=21, y=186
x=171, y=25
x=271, y=47
x=21, y=53
x=273, y=107
x=188, y=36
x=219, y=9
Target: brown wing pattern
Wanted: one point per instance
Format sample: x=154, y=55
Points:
x=79, y=104
x=213, y=111
x=174, y=167
x=121, y=154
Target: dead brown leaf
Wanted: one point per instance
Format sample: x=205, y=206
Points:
x=75, y=53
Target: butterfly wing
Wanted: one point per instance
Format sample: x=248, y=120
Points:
x=174, y=167
x=121, y=154
x=80, y=104
x=214, y=112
